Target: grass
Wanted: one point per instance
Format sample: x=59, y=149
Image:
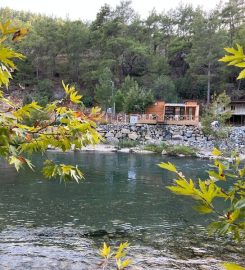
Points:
x=176, y=150
x=127, y=143
x=172, y=150
x=155, y=148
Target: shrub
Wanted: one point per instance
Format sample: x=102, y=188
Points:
x=125, y=143
x=155, y=148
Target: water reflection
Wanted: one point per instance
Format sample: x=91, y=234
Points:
x=123, y=198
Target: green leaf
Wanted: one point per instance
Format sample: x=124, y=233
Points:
x=203, y=208
x=183, y=187
x=240, y=204
x=216, y=176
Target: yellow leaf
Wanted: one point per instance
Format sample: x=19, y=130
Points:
x=232, y=266
x=5, y=29
x=66, y=87
x=216, y=152
x=241, y=75
x=126, y=263
x=75, y=98
x=234, y=215
x=168, y=166
x=121, y=250
x=20, y=34
x=123, y=264
x=105, y=251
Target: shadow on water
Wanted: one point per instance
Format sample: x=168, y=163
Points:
x=45, y=224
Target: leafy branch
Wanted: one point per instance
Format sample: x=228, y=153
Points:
x=206, y=192
x=64, y=128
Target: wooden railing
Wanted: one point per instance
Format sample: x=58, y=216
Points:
x=151, y=119
x=180, y=118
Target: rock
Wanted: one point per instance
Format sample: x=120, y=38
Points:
x=112, y=140
x=188, y=134
x=177, y=137
x=100, y=148
x=141, y=151
x=100, y=129
x=109, y=134
x=125, y=131
x=125, y=150
x=119, y=135
x=133, y=136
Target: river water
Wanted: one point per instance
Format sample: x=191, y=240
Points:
x=51, y=225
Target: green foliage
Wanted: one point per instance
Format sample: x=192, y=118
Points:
x=217, y=111
x=103, y=90
x=136, y=98
x=231, y=219
x=155, y=148
x=171, y=150
x=125, y=143
x=119, y=100
x=172, y=53
x=43, y=91
x=35, y=117
x=205, y=50
x=164, y=89
x=176, y=150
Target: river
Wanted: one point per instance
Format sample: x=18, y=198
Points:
x=51, y=225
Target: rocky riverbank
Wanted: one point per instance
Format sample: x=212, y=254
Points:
x=189, y=136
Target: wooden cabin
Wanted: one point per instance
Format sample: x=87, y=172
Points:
x=237, y=109
x=186, y=113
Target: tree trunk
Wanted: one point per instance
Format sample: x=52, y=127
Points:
x=209, y=83
x=239, y=85
x=37, y=68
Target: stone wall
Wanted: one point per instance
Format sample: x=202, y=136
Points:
x=186, y=135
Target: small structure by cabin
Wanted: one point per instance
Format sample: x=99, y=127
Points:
x=237, y=109
x=160, y=112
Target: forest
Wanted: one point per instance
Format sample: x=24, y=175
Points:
x=123, y=59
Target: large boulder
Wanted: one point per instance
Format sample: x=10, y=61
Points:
x=119, y=135
x=133, y=136
x=147, y=137
x=125, y=131
x=109, y=134
x=177, y=137
x=112, y=140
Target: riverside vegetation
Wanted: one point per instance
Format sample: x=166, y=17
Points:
x=19, y=140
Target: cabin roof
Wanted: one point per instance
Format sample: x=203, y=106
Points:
x=175, y=104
